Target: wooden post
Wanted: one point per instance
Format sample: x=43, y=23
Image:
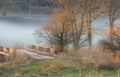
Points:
x=40, y=48
x=118, y=72
x=1, y=48
x=8, y=50
x=48, y=50
x=33, y=47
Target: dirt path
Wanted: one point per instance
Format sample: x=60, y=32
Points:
x=36, y=55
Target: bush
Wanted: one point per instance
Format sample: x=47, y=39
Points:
x=109, y=67
x=113, y=42
x=107, y=44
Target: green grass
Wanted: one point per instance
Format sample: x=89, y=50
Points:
x=53, y=68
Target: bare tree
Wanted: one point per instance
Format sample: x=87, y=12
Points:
x=57, y=31
x=113, y=9
x=76, y=14
x=85, y=12
x=93, y=9
x=73, y=19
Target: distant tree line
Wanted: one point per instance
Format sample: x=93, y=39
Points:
x=25, y=6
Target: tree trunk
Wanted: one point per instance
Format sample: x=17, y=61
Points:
x=89, y=30
x=90, y=36
x=61, y=43
x=111, y=31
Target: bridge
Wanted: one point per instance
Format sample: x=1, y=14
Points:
x=33, y=51
x=6, y=51
x=2, y=53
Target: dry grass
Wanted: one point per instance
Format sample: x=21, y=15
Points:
x=67, y=63
x=93, y=58
x=14, y=58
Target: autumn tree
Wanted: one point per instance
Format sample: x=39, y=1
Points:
x=85, y=12
x=113, y=9
x=93, y=9
x=57, y=31
x=73, y=18
x=76, y=21
x=115, y=45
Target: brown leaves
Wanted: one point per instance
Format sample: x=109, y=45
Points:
x=57, y=21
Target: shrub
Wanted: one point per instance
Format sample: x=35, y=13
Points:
x=112, y=43
x=107, y=44
x=109, y=67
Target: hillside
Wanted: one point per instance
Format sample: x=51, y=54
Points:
x=35, y=7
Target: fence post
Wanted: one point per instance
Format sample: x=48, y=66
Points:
x=118, y=72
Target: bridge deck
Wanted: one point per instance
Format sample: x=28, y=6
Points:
x=2, y=53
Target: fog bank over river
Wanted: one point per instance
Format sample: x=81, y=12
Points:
x=20, y=29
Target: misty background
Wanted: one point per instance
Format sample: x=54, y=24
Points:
x=19, y=19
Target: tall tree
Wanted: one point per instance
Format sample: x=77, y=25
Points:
x=93, y=9
x=57, y=31
x=76, y=15
x=85, y=12
x=113, y=10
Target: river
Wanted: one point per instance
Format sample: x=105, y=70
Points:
x=20, y=29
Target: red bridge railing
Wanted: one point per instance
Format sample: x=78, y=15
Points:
x=40, y=49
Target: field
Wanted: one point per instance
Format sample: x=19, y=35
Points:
x=60, y=67
x=84, y=63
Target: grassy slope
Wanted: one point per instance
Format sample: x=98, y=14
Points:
x=53, y=68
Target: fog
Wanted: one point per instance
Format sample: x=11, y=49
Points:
x=20, y=29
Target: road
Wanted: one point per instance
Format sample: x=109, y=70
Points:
x=36, y=55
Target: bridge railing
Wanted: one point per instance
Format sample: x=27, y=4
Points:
x=34, y=48
x=6, y=50
x=40, y=49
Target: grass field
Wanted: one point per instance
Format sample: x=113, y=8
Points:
x=54, y=68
